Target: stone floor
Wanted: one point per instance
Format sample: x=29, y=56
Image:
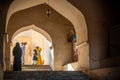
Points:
x=44, y=75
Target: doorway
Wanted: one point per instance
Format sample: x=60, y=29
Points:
x=32, y=39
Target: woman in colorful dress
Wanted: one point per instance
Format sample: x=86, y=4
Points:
x=39, y=58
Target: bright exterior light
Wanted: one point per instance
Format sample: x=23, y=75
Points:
x=70, y=68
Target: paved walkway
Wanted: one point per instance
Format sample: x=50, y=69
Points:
x=44, y=75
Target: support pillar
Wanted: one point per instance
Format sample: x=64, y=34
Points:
x=7, y=52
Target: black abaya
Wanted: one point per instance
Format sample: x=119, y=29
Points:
x=17, y=53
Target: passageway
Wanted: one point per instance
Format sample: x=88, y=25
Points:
x=73, y=36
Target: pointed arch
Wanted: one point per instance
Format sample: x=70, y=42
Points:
x=61, y=6
x=44, y=33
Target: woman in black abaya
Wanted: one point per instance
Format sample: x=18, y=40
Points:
x=17, y=53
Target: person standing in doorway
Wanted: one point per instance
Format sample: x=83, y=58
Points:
x=23, y=52
x=34, y=57
x=39, y=58
x=17, y=53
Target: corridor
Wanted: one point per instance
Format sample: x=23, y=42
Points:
x=78, y=39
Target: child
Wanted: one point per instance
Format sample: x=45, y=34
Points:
x=34, y=57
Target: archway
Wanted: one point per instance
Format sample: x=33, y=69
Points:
x=34, y=37
x=63, y=7
x=75, y=19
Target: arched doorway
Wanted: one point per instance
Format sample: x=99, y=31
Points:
x=61, y=46
x=33, y=38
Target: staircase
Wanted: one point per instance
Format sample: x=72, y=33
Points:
x=44, y=75
x=36, y=68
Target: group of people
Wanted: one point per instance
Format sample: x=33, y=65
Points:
x=18, y=53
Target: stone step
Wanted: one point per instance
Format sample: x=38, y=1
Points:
x=36, y=68
x=44, y=75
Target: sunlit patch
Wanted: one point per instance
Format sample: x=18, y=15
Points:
x=70, y=68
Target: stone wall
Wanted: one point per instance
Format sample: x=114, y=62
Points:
x=1, y=73
x=96, y=15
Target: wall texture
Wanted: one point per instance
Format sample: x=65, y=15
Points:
x=96, y=16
